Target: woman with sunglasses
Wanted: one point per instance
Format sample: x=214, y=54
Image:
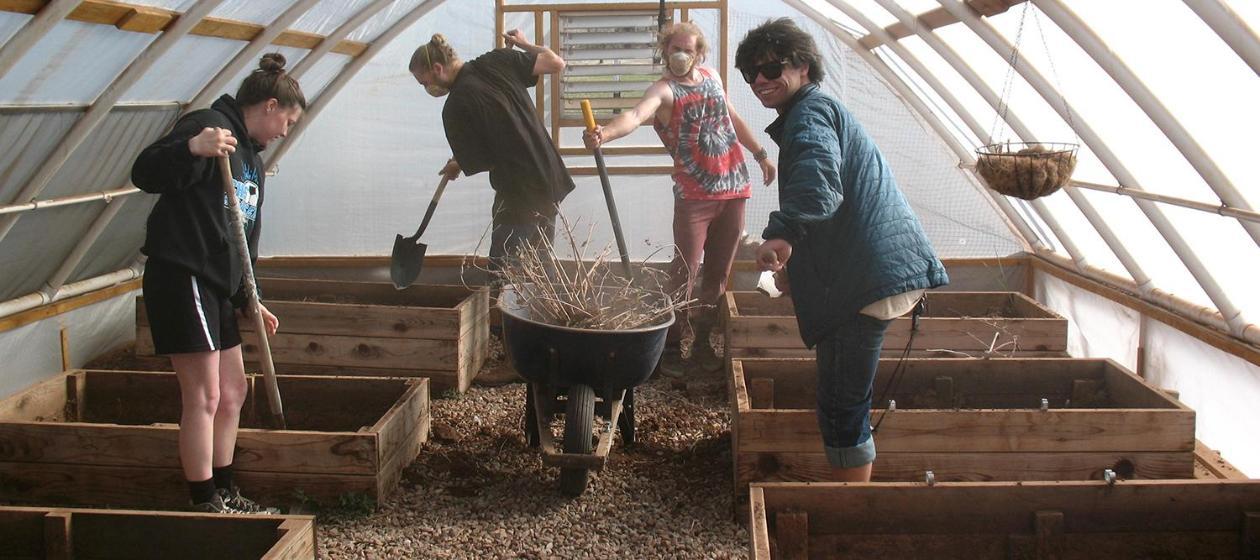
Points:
x=700, y=129
x=844, y=242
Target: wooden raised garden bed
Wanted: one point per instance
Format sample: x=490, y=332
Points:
x=58, y=534
x=368, y=328
x=1139, y=519
x=968, y=420
x=971, y=323
x=110, y=438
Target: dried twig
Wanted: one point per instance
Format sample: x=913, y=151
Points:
x=587, y=292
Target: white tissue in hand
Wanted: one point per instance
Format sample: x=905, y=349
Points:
x=765, y=284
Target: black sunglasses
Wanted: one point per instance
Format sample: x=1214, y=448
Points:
x=771, y=70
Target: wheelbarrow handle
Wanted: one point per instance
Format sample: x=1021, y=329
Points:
x=608, y=195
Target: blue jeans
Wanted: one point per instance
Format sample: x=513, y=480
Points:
x=847, y=360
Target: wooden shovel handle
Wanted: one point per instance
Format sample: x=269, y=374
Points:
x=236, y=223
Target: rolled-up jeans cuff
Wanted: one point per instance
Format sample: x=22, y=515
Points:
x=859, y=455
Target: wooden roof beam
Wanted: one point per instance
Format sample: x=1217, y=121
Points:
x=145, y=19
x=939, y=17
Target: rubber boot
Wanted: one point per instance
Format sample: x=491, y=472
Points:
x=702, y=353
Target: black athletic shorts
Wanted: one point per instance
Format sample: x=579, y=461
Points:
x=185, y=313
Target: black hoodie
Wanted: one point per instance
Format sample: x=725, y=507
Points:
x=188, y=227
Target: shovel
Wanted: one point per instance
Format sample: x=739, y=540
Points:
x=237, y=224
x=608, y=195
x=408, y=256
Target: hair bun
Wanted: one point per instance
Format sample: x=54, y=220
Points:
x=272, y=62
x=438, y=39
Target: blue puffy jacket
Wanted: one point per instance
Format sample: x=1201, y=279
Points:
x=855, y=240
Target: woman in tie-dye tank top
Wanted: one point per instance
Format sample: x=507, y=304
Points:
x=700, y=129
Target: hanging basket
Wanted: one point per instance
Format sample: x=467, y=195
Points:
x=1026, y=170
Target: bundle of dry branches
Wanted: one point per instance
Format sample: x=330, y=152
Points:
x=587, y=292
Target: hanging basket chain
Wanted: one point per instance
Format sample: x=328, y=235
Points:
x=1054, y=72
x=1009, y=81
x=1032, y=169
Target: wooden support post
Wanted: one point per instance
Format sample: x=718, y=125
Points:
x=724, y=42
x=761, y=392
x=75, y=391
x=539, y=94
x=57, y=540
x=1048, y=526
x=557, y=104
x=499, y=26
x=1140, y=367
x=791, y=533
x=1250, y=535
x=65, y=349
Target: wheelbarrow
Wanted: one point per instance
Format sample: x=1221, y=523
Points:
x=595, y=371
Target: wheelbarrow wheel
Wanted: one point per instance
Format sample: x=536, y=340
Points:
x=579, y=416
x=625, y=422
x=531, y=418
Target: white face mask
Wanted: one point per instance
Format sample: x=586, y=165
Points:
x=680, y=64
x=436, y=90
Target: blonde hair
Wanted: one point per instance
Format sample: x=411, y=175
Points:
x=683, y=28
x=436, y=51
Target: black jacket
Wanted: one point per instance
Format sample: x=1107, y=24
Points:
x=188, y=227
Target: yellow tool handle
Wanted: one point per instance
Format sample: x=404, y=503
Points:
x=588, y=114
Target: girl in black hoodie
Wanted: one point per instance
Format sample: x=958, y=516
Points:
x=193, y=278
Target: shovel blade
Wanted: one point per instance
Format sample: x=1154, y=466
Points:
x=406, y=261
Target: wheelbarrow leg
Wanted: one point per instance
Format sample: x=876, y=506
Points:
x=625, y=422
x=578, y=420
x=531, y=417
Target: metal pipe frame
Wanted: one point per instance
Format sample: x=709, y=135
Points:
x=1025, y=133
x=58, y=278
x=250, y=52
x=102, y=105
x=1189, y=259
x=36, y=299
x=334, y=87
x=30, y=34
x=1230, y=28
x=326, y=46
x=107, y=196
x=277, y=26
x=1030, y=240
x=1227, y=211
x=957, y=107
x=1198, y=157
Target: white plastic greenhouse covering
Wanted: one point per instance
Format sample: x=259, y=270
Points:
x=1161, y=95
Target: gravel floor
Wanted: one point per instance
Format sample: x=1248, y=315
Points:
x=477, y=491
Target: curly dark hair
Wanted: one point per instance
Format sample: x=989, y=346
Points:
x=778, y=40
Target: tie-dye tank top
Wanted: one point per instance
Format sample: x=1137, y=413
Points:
x=708, y=160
